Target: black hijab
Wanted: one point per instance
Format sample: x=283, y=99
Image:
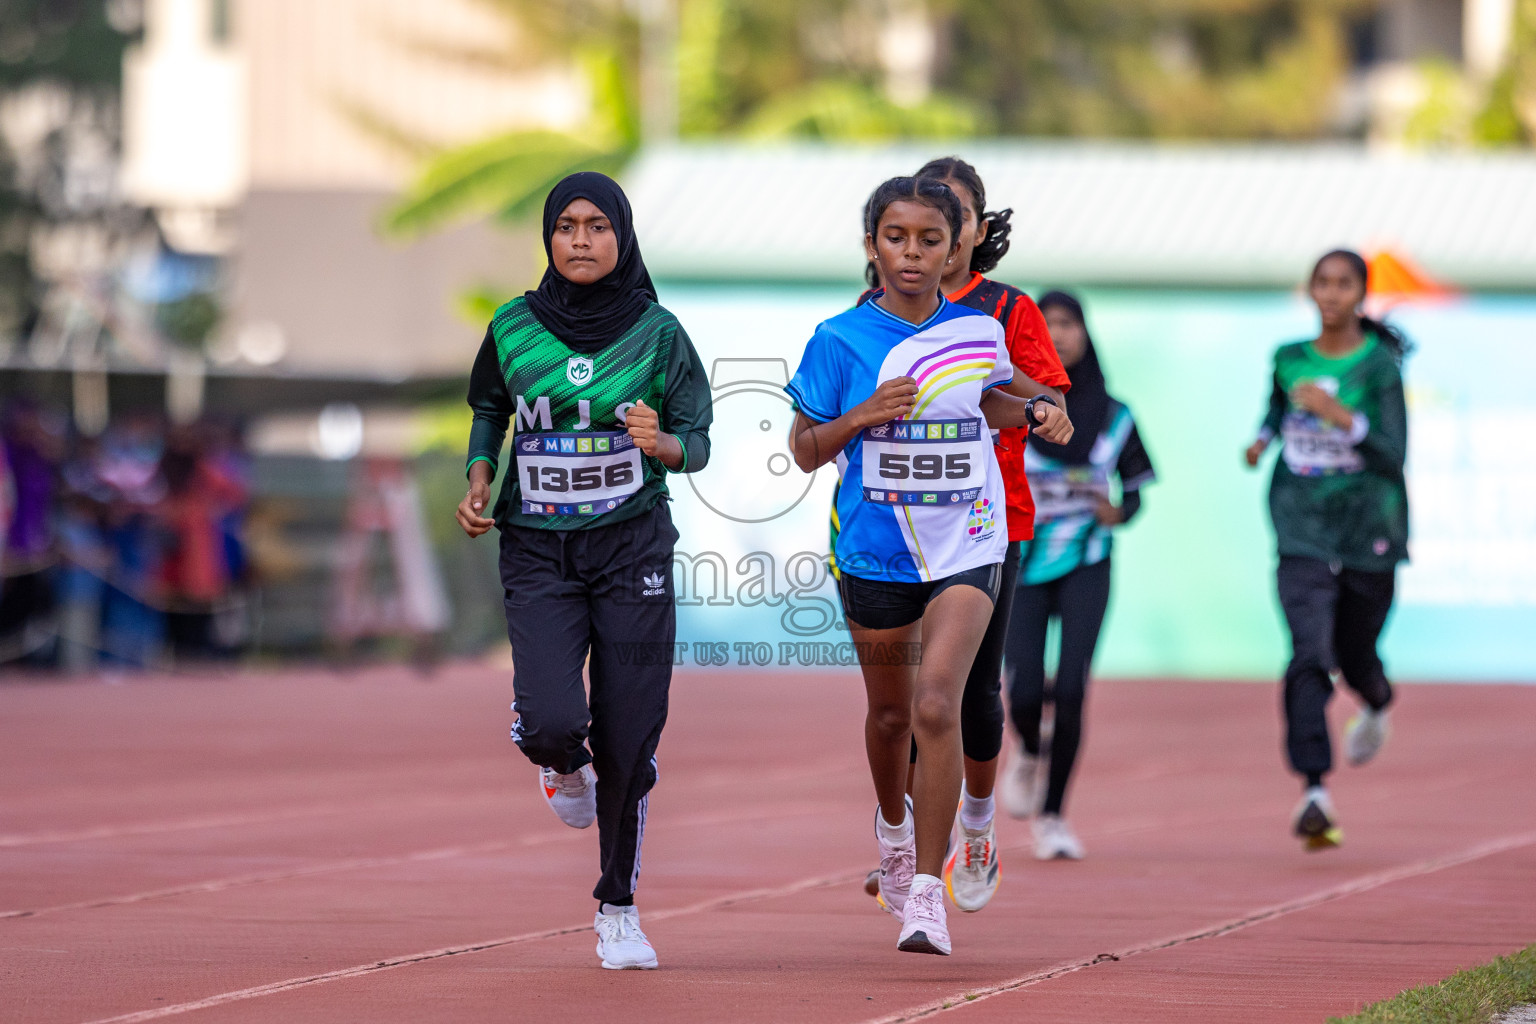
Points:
x=1087, y=401
x=589, y=316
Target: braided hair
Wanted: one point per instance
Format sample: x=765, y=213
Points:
x=991, y=250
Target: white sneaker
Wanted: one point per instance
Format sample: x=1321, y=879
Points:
x=572, y=797
x=972, y=871
x=1021, y=788
x=620, y=942
x=924, y=928
x=1054, y=839
x=898, y=863
x=1366, y=732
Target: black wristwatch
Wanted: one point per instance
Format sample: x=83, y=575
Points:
x=1029, y=409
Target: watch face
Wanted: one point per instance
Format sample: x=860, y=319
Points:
x=751, y=477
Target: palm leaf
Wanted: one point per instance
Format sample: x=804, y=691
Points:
x=529, y=201
x=493, y=175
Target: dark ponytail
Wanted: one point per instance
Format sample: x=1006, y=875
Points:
x=1389, y=335
x=991, y=250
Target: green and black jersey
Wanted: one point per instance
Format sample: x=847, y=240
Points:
x=573, y=466
x=1339, y=495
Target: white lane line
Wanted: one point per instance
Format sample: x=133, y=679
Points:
x=841, y=878
x=691, y=822
x=259, y=878
x=256, y=992
x=262, y=817
x=1340, y=891
x=365, y=863
x=139, y=828
x=143, y=828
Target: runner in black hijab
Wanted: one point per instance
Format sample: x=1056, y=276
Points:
x=606, y=397
x=1064, y=573
x=589, y=316
x=1090, y=399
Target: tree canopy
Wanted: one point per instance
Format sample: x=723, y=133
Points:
x=823, y=69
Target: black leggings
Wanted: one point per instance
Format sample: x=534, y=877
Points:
x=1079, y=599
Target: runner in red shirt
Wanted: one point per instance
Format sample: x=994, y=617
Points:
x=971, y=872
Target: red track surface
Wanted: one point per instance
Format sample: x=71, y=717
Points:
x=308, y=847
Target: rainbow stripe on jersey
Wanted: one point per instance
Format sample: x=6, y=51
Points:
x=929, y=510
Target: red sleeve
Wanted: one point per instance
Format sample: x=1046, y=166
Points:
x=1030, y=348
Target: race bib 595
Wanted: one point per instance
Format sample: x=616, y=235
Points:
x=925, y=462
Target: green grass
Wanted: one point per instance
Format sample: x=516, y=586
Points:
x=1473, y=996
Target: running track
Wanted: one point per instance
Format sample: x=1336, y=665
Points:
x=311, y=847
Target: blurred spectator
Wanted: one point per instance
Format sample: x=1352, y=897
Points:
x=127, y=549
x=86, y=558
x=131, y=627
x=195, y=572
x=32, y=447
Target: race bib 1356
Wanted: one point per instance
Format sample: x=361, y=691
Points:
x=578, y=474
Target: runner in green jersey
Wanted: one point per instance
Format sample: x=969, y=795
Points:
x=1340, y=511
x=605, y=395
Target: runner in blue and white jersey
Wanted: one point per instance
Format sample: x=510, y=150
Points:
x=903, y=392
x=905, y=478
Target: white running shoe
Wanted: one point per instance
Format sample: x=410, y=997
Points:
x=620, y=942
x=972, y=871
x=898, y=863
x=1315, y=822
x=1367, y=731
x=924, y=928
x=1021, y=789
x=572, y=797
x=1054, y=839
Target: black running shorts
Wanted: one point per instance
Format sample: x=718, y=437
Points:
x=881, y=604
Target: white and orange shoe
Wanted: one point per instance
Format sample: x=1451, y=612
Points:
x=972, y=870
x=572, y=797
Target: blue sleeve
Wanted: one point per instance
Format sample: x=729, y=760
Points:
x=817, y=387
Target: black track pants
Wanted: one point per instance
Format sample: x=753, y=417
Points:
x=1079, y=599
x=607, y=591
x=1335, y=617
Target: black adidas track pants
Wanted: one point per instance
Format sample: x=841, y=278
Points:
x=606, y=591
x=1335, y=616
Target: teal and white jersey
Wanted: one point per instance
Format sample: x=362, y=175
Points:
x=1067, y=532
